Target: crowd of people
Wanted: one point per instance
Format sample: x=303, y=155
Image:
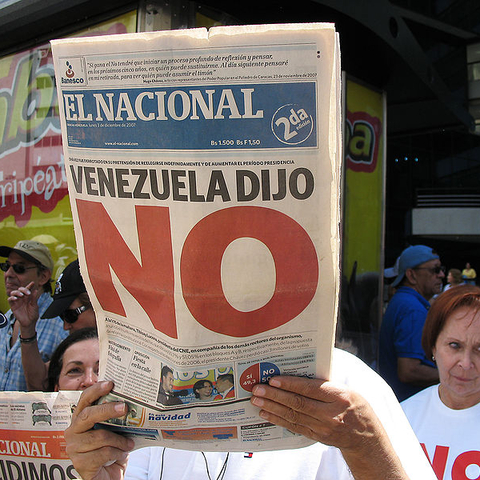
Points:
x=419, y=281
x=429, y=356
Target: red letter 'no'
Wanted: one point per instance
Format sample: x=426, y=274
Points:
x=151, y=281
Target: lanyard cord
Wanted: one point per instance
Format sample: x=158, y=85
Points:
x=161, y=468
x=223, y=470
x=220, y=476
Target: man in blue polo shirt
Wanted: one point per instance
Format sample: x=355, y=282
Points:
x=28, y=263
x=402, y=361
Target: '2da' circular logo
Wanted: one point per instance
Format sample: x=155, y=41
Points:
x=292, y=124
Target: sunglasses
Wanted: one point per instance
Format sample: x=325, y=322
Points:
x=433, y=270
x=17, y=267
x=71, y=314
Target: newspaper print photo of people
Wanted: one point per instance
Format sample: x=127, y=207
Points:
x=198, y=386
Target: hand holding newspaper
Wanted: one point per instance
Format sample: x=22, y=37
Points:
x=203, y=171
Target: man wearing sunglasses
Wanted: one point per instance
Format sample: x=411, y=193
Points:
x=28, y=268
x=402, y=361
x=70, y=300
x=70, y=303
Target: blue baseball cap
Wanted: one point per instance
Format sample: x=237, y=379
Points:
x=412, y=257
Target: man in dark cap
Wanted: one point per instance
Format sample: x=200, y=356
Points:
x=402, y=361
x=70, y=303
x=28, y=267
x=70, y=300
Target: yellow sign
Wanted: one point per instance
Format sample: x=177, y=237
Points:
x=364, y=180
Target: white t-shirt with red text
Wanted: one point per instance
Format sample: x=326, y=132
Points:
x=450, y=438
x=316, y=462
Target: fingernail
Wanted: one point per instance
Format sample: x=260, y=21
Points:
x=258, y=402
x=120, y=407
x=259, y=390
x=274, y=382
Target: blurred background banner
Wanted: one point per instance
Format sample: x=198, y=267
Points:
x=364, y=213
x=34, y=201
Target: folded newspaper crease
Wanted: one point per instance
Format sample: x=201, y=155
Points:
x=204, y=173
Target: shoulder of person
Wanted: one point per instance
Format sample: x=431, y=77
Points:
x=419, y=397
x=354, y=372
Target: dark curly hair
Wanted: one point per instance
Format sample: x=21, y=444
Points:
x=200, y=384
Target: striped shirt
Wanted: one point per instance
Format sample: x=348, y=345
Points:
x=50, y=333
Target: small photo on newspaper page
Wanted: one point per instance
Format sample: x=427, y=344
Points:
x=203, y=170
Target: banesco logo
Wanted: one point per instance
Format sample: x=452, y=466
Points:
x=70, y=74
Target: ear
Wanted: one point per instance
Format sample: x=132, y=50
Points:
x=411, y=276
x=44, y=276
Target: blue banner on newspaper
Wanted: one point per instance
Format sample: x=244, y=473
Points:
x=195, y=118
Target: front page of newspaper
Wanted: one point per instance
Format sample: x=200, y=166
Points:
x=203, y=172
x=32, y=445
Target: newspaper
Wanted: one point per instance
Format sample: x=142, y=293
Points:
x=203, y=173
x=32, y=445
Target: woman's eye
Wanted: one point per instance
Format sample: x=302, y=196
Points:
x=74, y=371
x=454, y=345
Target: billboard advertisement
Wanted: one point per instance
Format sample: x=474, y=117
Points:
x=365, y=135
